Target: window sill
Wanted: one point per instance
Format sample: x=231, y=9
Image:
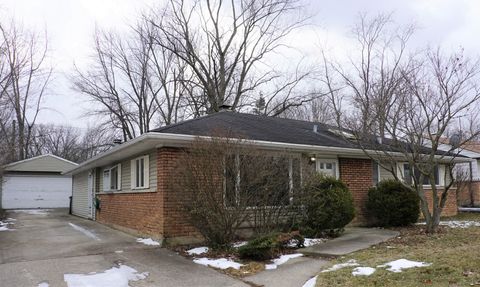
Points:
x=140, y=188
x=126, y=191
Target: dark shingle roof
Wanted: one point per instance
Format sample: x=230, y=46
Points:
x=257, y=127
x=264, y=128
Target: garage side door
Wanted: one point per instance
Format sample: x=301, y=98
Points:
x=36, y=191
x=81, y=202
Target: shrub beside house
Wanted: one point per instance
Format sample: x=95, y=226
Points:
x=132, y=180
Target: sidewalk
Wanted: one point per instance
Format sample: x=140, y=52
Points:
x=352, y=240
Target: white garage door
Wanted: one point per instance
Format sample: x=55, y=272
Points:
x=36, y=191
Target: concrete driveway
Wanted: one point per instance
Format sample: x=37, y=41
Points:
x=44, y=247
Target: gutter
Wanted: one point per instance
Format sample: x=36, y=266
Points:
x=180, y=140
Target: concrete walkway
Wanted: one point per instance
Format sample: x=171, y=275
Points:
x=352, y=240
x=297, y=271
x=293, y=273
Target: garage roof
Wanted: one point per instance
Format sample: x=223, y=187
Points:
x=41, y=163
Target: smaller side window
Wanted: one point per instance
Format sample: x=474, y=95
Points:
x=139, y=168
x=112, y=178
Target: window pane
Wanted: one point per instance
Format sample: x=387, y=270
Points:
x=230, y=179
x=137, y=173
x=142, y=172
x=321, y=165
x=114, y=178
x=407, y=174
x=264, y=181
x=328, y=165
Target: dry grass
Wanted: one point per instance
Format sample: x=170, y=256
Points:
x=454, y=254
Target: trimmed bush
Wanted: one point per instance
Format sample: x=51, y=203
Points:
x=391, y=203
x=328, y=207
x=269, y=246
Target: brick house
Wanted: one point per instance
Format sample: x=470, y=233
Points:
x=127, y=186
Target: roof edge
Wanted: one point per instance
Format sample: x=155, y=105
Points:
x=37, y=157
x=182, y=139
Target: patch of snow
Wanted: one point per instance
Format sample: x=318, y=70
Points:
x=43, y=284
x=349, y=263
x=118, y=251
x=84, y=231
x=311, y=282
x=221, y=263
x=198, y=250
x=313, y=241
x=400, y=264
x=363, y=271
x=308, y=242
x=113, y=277
x=281, y=260
x=4, y=226
x=457, y=223
x=10, y=219
x=239, y=244
x=148, y=241
x=33, y=211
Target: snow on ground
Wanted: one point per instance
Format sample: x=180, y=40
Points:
x=400, y=264
x=363, y=271
x=113, y=277
x=349, y=263
x=33, y=211
x=4, y=225
x=239, y=244
x=457, y=223
x=308, y=242
x=198, y=250
x=220, y=263
x=84, y=231
x=311, y=282
x=148, y=241
x=43, y=284
x=281, y=260
x=313, y=241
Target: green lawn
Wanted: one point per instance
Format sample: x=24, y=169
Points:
x=454, y=254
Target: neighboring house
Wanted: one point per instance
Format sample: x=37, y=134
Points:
x=130, y=181
x=37, y=183
x=468, y=175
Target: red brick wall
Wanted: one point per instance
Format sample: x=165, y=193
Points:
x=177, y=228
x=464, y=196
x=137, y=212
x=357, y=175
x=450, y=208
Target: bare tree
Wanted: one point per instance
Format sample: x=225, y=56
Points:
x=405, y=106
x=69, y=142
x=133, y=82
x=226, y=44
x=239, y=187
x=23, y=82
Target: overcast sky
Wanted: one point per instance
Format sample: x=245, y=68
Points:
x=70, y=24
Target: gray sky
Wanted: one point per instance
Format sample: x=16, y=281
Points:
x=70, y=24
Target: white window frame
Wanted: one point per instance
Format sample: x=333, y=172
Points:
x=146, y=172
x=319, y=160
x=441, y=171
x=107, y=172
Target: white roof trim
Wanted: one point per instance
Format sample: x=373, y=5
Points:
x=37, y=157
x=155, y=140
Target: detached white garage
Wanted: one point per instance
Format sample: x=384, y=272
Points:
x=37, y=183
